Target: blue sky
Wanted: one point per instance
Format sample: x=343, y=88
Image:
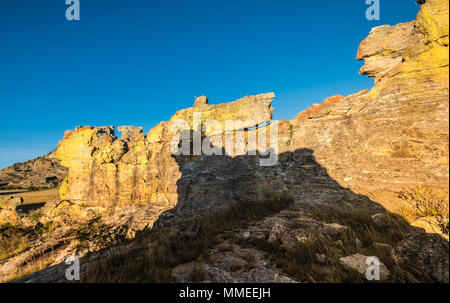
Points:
x=136, y=62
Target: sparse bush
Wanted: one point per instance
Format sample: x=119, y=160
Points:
x=35, y=216
x=96, y=234
x=430, y=206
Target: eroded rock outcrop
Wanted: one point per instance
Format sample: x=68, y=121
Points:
x=138, y=168
x=375, y=142
x=396, y=135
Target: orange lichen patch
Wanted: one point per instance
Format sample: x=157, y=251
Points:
x=139, y=139
x=334, y=99
x=317, y=108
x=67, y=134
x=107, y=140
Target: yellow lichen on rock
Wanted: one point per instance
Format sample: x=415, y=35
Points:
x=75, y=146
x=432, y=20
x=64, y=189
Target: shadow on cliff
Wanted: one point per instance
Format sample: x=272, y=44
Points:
x=212, y=185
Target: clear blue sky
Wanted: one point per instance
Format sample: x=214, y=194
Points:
x=136, y=62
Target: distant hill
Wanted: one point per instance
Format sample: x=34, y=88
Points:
x=39, y=173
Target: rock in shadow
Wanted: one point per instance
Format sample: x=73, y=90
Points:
x=26, y=208
x=213, y=185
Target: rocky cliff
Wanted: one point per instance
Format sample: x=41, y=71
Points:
x=396, y=135
x=376, y=142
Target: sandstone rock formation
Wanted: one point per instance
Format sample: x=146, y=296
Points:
x=375, y=142
x=8, y=212
x=139, y=168
x=396, y=135
x=349, y=153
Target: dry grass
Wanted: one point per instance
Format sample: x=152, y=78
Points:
x=12, y=241
x=32, y=197
x=197, y=274
x=154, y=254
x=154, y=262
x=301, y=263
x=429, y=205
x=30, y=268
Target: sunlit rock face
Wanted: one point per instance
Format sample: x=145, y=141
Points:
x=375, y=142
x=138, y=168
x=395, y=136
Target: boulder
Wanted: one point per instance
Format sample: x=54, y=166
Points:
x=358, y=262
x=281, y=233
x=11, y=203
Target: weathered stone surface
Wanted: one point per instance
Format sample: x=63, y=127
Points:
x=259, y=272
x=321, y=258
x=280, y=233
x=384, y=49
x=201, y=101
x=11, y=203
x=308, y=230
x=253, y=276
x=8, y=212
x=130, y=133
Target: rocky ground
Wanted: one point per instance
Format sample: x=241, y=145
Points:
x=306, y=240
